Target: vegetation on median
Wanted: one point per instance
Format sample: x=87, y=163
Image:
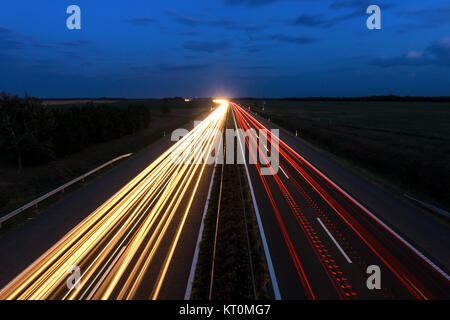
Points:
x=240, y=270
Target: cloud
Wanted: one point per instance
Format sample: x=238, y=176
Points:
x=61, y=45
x=349, y=4
x=9, y=39
x=425, y=18
x=438, y=54
x=77, y=43
x=219, y=23
x=194, y=22
x=323, y=21
x=168, y=68
x=359, y=4
x=253, y=48
x=8, y=59
x=144, y=69
x=40, y=44
x=411, y=58
x=354, y=8
x=141, y=21
x=207, y=46
x=290, y=39
x=249, y=3
x=258, y=67
x=337, y=4
x=188, y=33
x=188, y=67
x=184, y=20
x=248, y=27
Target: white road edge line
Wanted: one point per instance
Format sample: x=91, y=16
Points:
x=334, y=240
x=188, y=292
x=89, y=297
x=273, y=278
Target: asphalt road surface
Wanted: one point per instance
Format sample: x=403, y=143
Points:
x=323, y=243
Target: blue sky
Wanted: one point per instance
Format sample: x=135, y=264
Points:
x=264, y=48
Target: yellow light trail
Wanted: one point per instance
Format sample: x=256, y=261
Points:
x=143, y=218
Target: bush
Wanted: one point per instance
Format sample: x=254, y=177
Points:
x=81, y=127
x=25, y=129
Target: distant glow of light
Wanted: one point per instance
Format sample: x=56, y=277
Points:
x=223, y=102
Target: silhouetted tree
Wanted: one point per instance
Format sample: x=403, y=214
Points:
x=25, y=126
x=81, y=127
x=36, y=134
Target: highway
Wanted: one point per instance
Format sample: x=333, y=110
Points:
x=125, y=248
x=321, y=240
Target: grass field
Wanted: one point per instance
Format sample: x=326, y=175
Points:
x=405, y=144
x=417, y=118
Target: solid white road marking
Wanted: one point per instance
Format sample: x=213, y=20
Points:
x=284, y=172
x=334, y=240
x=187, y=294
x=273, y=278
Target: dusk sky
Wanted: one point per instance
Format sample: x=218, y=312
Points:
x=263, y=48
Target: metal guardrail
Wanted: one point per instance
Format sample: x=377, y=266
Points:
x=428, y=206
x=60, y=189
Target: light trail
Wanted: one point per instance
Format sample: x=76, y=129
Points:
x=142, y=220
x=391, y=250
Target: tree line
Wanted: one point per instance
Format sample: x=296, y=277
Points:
x=32, y=133
x=386, y=98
